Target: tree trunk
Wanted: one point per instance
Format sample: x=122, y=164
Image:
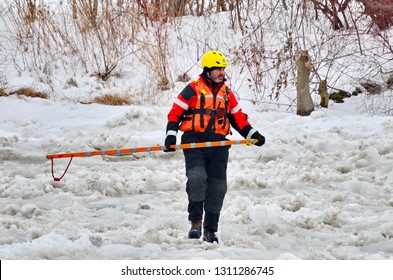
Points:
x=221, y=7
x=200, y=8
x=322, y=90
x=304, y=102
x=284, y=4
x=74, y=9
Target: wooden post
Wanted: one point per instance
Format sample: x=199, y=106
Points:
x=304, y=102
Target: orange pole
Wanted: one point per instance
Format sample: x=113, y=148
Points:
x=128, y=151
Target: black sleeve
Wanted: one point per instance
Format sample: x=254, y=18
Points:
x=172, y=126
x=243, y=132
x=187, y=92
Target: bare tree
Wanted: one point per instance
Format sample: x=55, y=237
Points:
x=380, y=12
x=333, y=9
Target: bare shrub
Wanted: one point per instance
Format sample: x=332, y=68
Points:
x=154, y=45
x=380, y=104
x=103, y=33
x=380, y=12
x=270, y=66
x=337, y=55
x=334, y=11
x=99, y=36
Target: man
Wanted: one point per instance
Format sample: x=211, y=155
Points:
x=205, y=110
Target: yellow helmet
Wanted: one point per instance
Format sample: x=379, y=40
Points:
x=214, y=59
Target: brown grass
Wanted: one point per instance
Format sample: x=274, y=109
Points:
x=30, y=93
x=2, y=92
x=110, y=99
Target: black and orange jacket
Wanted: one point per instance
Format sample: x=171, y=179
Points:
x=206, y=107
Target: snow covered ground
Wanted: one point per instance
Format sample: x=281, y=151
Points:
x=321, y=187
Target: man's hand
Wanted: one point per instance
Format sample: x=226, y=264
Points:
x=169, y=141
x=259, y=137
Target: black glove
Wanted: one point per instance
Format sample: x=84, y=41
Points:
x=259, y=137
x=169, y=141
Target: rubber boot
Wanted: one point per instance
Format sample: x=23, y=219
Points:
x=210, y=236
x=196, y=230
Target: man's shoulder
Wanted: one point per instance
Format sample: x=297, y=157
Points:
x=188, y=91
x=196, y=81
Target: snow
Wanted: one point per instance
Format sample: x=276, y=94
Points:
x=320, y=188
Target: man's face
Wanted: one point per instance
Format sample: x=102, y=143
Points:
x=217, y=75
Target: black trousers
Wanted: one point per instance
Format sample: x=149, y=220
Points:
x=206, y=171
